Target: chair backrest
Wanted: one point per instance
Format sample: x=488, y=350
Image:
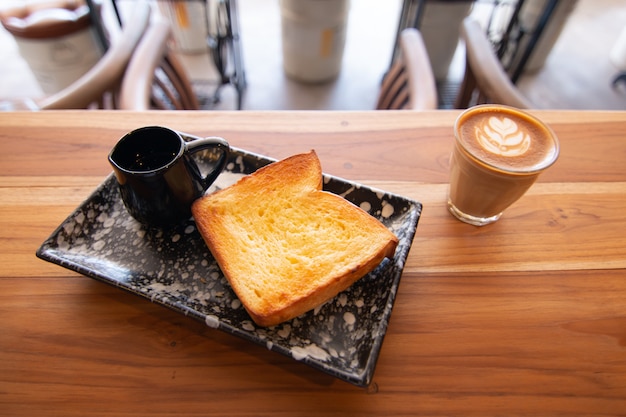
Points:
x=485, y=80
x=154, y=78
x=410, y=82
x=106, y=76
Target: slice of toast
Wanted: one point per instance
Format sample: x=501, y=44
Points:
x=284, y=245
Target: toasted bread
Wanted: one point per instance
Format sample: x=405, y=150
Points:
x=284, y=245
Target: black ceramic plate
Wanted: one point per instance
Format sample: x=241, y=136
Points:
x=174, y=268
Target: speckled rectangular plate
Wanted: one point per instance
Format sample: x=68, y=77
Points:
x=174, y=268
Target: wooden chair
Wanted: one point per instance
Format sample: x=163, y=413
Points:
x=154, y=78
x=98, y=87
x=410, y=82
x=485, y=80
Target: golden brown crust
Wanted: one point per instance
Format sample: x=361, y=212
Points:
x=285, y=245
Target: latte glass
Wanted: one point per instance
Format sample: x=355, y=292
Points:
x=499, y=152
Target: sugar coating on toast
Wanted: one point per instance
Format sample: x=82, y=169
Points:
x=284, y=245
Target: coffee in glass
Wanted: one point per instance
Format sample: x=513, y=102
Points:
x=499, y=152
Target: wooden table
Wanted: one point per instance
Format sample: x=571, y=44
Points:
x=523, y=317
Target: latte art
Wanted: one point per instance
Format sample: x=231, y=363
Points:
x=502, y=136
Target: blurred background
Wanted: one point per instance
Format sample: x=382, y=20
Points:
x=571, y=66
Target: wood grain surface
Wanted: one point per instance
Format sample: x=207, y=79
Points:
x=523, y=317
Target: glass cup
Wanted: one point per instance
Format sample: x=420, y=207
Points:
x=157, y=176
x=499, y=151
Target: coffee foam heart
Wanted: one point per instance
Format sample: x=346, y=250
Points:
x=507, y=139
